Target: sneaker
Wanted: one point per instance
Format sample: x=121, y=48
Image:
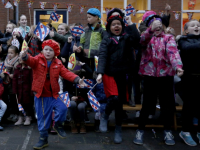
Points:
x=137, y=114
x=43, y=142
x=195, y=121
x=187, y=138
x=168, y=138
x=139, y=137
x=198, y=136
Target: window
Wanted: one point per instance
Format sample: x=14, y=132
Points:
x=140, y=5
x=190, y=6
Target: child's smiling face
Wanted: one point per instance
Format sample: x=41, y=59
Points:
x=48, y=53
x=193, y=28
x=116, y=27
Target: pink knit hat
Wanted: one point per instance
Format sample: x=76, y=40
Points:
x=147, y=15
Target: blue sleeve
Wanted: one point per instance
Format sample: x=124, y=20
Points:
x=67, y=48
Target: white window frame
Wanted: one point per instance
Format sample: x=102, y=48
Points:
x=125, y=5
x=185, y=11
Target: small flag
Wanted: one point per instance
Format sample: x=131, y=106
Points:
x=82, y=7
x=41, y=31
x=54, y=16
x=77, y=30
x=93, y=101
x=130, y=10
x=43, y=4
x=55, y=6
x=8, y=5
x=21, y=109
x=126, y=23
x=161, y=13
x=69, y=8
x=89, y=84
x=24, y=46
x=107, y=10
x=15, y=42
x=65, y=98
x=176, y=14
x=30, y=3
x=72, y=61
x=95, y=7
x=190, y=15
x=96, y=62
x=2, y=67
x=16, y=2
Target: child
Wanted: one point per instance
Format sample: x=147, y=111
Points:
x=35, y=44
x=3, y=106
x=23, y=25
x=46, y=70
x=90, y=41
x=159, y=63
x=5, y=38
x=115, y=61
x=189, y=50
x=22, y=80
x=10, y=62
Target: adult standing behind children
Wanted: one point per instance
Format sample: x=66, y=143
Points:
x=90, y=41
x=46, y=70
x=23, y=25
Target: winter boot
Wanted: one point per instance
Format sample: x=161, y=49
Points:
x=118, y=136
x=73, y=127
x=58, y=127
x=82, y=127
x=103, y=122
x=43, y=142
x=20, y=121
x=27, y=121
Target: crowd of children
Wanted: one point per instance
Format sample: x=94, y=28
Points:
x=33, y=79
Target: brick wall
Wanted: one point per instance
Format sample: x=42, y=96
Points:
x=159, y=5
x=75, y=16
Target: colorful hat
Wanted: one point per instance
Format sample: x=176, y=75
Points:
x=17, y=30
x=53, y=44
x=147, y=15
x=94, y=11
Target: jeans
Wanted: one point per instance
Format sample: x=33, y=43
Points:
x=3, y=108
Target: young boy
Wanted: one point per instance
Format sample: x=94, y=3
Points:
x=90, y=41
x=46, y=70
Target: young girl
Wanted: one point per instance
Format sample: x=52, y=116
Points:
x=22, y=80
x=115, y=61
x=23, y=25
x=3, y=106
x=189, y=50
x=159, y=63
x=46, y=70
x=5, y=39
x=10, y=62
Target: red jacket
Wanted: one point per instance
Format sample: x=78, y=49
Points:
x=39, y=66
x=1, y=90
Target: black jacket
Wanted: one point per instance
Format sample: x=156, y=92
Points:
x=116, y=56
x=4, y=40
x=189, y=46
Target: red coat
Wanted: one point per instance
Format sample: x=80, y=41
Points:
x=21, y=84
x=39, y=66
x=1, y=90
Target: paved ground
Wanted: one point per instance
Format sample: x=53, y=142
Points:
x=24, y=137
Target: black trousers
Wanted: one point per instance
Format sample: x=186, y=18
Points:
x=191, y=101
x=161, y=87
x=116, y=102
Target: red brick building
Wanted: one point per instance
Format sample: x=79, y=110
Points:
x=37, y=14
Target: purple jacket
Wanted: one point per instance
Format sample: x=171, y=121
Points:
x=160, y=57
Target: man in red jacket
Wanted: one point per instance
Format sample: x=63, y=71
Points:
x=46, y=70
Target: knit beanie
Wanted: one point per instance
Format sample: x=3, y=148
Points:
x=111, y=19
x=115, y=10
x=94, y=12
x=53, y=44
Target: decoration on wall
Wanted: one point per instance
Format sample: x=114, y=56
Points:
x=82, y=7
x=42, y=5
x=55, y=6
x=69, y=8
x=30, y=3
x=190, y=15
x=8, y=5
x=191, y=4
x=16, y=2
x=177, y=14
x=161, y=13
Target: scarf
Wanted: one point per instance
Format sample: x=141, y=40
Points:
x=10, y=63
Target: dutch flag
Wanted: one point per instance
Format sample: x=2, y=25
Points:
x=93, y=101
x=41, y=31
x=54, y=16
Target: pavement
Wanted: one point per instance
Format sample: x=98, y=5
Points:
x=24, y=137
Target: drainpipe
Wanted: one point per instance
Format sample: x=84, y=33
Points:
x=17, y=14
